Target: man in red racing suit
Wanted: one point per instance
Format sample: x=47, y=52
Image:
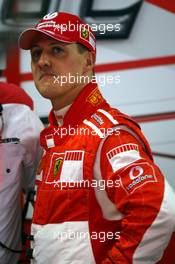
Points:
x=100, y=197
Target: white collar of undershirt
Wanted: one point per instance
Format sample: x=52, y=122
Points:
x=62, y=111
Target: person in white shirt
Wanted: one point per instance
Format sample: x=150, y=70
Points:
x=19, y=156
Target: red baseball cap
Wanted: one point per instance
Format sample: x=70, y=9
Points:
x=64, y=27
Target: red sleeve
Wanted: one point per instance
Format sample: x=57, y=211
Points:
x=141, y=199
x=13, y=94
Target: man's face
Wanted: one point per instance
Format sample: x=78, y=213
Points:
x=55, y=67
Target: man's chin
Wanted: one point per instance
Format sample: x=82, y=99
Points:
x=44, y=91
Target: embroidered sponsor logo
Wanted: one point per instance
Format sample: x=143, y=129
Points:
x=66, y=166
x=50, y=141
x=135, y=176
x=57, y=166
x=50, y=24
x=74, y=155
x=98, y=119
x=135, y=172
x=139, y=180
x=122, y=148
x=123, y=155
x=84, y=33
x=50, y=16
x=95, y=98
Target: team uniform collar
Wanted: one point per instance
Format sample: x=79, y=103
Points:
x=86, y=103
x=59, y=114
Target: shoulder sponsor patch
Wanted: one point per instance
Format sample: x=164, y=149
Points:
x=137, y=175
x=123, y=155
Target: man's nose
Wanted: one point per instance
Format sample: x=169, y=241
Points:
x=44, y=60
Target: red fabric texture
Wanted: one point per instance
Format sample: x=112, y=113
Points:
x=13, y=94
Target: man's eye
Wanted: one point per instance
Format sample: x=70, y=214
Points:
x=35, y=54
x=57, y=50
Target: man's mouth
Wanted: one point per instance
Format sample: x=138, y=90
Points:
x=46, y=75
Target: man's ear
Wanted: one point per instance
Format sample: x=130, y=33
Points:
x=89, y=61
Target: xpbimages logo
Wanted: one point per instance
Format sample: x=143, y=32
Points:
x=75, y=235
x=99, y=185
x=102, y=80
x=84, y=29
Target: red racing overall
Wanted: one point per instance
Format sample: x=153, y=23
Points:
x=100, y=197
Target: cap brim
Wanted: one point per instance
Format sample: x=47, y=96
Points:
x=27, y=37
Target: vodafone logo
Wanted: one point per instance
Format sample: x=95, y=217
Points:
x=137, y=176
x=50, y=16
x=135, y=172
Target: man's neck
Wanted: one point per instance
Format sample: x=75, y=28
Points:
x=67, y=98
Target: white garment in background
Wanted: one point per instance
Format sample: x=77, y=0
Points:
x=18, y=163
